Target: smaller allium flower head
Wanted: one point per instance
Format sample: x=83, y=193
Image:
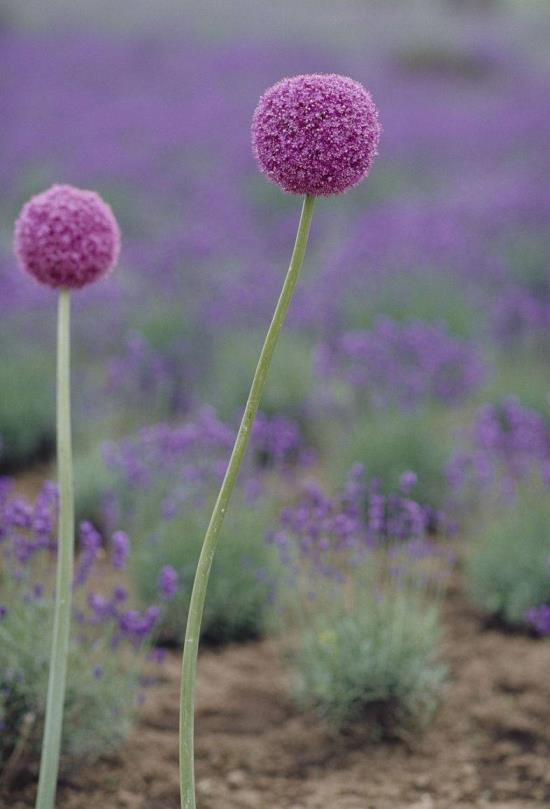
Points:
x=316, y=134
x=66, y=237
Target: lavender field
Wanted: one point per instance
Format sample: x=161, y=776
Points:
x=377, y=621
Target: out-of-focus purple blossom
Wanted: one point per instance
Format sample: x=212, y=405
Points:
x=90, y=543
x=167, y=583
x=522, y=314
x=3, y=611
x=120, y=550
x=101, y=608
x=403, y=364
x=137, y=626
x=408, y=481
x=185, y=454
x=142, y=374
x=277, y=441
x=157, y=655
x=539, y=619
x=185, y=464
x=507, y=443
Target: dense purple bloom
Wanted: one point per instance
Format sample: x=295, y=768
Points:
x=316, y=134
x=506, y=443
x=168, y=583
x=328, y=534
x=403, y=364
x=277, y=440
x=66, y=237
x=29, y=532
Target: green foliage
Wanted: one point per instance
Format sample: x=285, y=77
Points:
x=98, y=709
x=435, y=298
x=390, y=443
x=508, y=571
x=27, y=406
x=288, y=384
x=521, y=373
x=93, y=481
x=237, y=600
x=377, y=664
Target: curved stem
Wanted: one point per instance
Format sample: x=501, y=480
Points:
x=49, y=764
x=196, y=606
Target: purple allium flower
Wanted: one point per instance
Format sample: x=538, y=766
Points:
x=315, y=134
x=168, y=583
x=66, y=237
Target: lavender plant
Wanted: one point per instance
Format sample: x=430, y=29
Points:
x=391, y=442
x=110, y=640
x=402, y=366
x=359, y=587
x=317, y=136
x=508, y=443
x=65, y=238
x=165, y=482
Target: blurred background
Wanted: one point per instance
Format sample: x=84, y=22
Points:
x=403, y=449
x=151, y=106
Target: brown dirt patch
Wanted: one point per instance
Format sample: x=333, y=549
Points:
x=488, y=747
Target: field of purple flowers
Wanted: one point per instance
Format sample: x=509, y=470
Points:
x=398, y=475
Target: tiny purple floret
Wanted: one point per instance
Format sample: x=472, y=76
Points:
x=66, y=237
x=168, y=583
x=316, y=134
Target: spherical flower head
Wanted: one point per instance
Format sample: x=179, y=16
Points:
x=316, y=134
x=67, y=238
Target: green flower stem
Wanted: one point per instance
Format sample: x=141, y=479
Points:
x=196, y=606
x=49, y=764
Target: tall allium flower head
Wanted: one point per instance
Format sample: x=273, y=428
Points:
x=66, y=237
x=316, y=134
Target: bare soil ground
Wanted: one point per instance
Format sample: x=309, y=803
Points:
x=488, y=747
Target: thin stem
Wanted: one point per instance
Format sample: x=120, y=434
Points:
x=49, y=764
x=196, y=606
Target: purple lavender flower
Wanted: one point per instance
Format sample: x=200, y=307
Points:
x=276, y=440
x=408, y=481
x=136, y=626
x=329, y=534
x=507, y=443
x=90, y=543
x=168, y=583
x=539, y=619
x=403, y=365
x=120, y=550
x=316, y=134
x=67, y=238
